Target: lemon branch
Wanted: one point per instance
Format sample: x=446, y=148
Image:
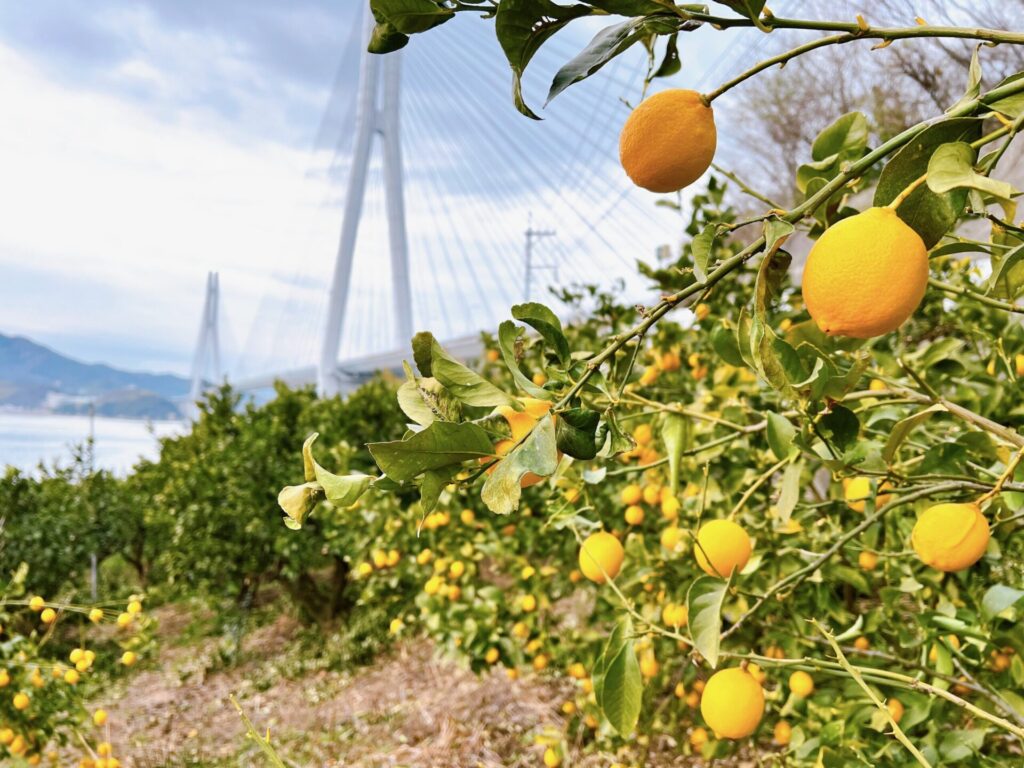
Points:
x=852, y=32
x=762, y=478
x=746, y=187
x=855, y=674
x=981, y=298
x=798, y=576
x=907, y=192
x=1011, y=465
x=881, y=677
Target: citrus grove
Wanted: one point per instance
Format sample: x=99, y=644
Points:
x=774, y=515
x=786, y=520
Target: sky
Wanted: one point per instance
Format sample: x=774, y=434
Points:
x=147, y=143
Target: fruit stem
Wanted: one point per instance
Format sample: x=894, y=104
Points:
x=907, y=192
x=855, y=674
x=1011, y=465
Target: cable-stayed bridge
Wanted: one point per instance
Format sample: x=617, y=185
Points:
x=453, y=207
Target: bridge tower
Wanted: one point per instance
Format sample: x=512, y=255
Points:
x=207, y=356
x=377, y=116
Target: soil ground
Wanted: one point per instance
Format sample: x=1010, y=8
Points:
x=409, y=708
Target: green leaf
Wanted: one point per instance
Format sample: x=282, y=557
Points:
x=522, y=27
x=781, y=435
x=431, y=485
x=409, y=16
x=575, y=432
x=973, y=82
x=670, y=63
x=789, y=493
x=386, y=39
x=841, y=426
x=620, y=690
x=749, y=8
x=343, y=490
x=536, y=454
x=847, y=134
x=952, y=166
x=676, y=434
x=1007, y=278
x=704, y=603
x=611, y=438
x=701, y=247
x=308, y=462
x=298, y=501
x=998, y=598
x=465, y=385
x=1011, y=106
x=508, y=337
x=631, y=7
x=928, y=213
x=440, y=444
x=776, y=231
x=902, y=429
x=605, y=46
x=547, y=324
x=425, y=400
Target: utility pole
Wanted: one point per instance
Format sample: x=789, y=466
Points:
x=531, y=235
x=208, y=343
x=377, y=114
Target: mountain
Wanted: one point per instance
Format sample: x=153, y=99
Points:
x=34, y=377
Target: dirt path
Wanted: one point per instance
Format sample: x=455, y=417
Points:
x=408, y=709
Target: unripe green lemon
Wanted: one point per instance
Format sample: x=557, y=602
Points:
x=950, y=537
x=732, y=703
x=866, y=275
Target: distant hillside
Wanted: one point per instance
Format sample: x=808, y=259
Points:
x=35, y=377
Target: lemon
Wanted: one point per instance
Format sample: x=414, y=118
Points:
x=950, y=537
x=722, y=547
x=551, y=758
x=36, y=604
x=652, y=494
x=649, y=666
x=99, y=717
x=492, y=655
x=634, y=515
x=698, y=737
x=643, y=434
x=669, y=361
x=801, y=684
x=577, y=671
x=528, y=603
x=895, y=707
x=862, y=643
x=48, y=616
x=783, y=733
x=632, y=494
x=96, y=615
x=670, y=507
x=668, y=141
x=867, y=560
x=866, y=275
x=20, y=701
x=856, y=491
x=732, y=703
x=601, y=557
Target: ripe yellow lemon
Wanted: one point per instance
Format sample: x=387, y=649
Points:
x=670, y=507
x=668, y=141
x=20, y=701
x=866, y=275
x=895, y=707
x=634, y=514
x=601, y=554
x=551, y=758
x=801, y=684
x=732, y=703
x=698, y=737
x=632, y=494
x=857, y=490
x=862, y=643
x=950, y=537
x=783, y=733
x=722, y=546
x=867, y=560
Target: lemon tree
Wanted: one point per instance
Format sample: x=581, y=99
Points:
x=763, y=519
